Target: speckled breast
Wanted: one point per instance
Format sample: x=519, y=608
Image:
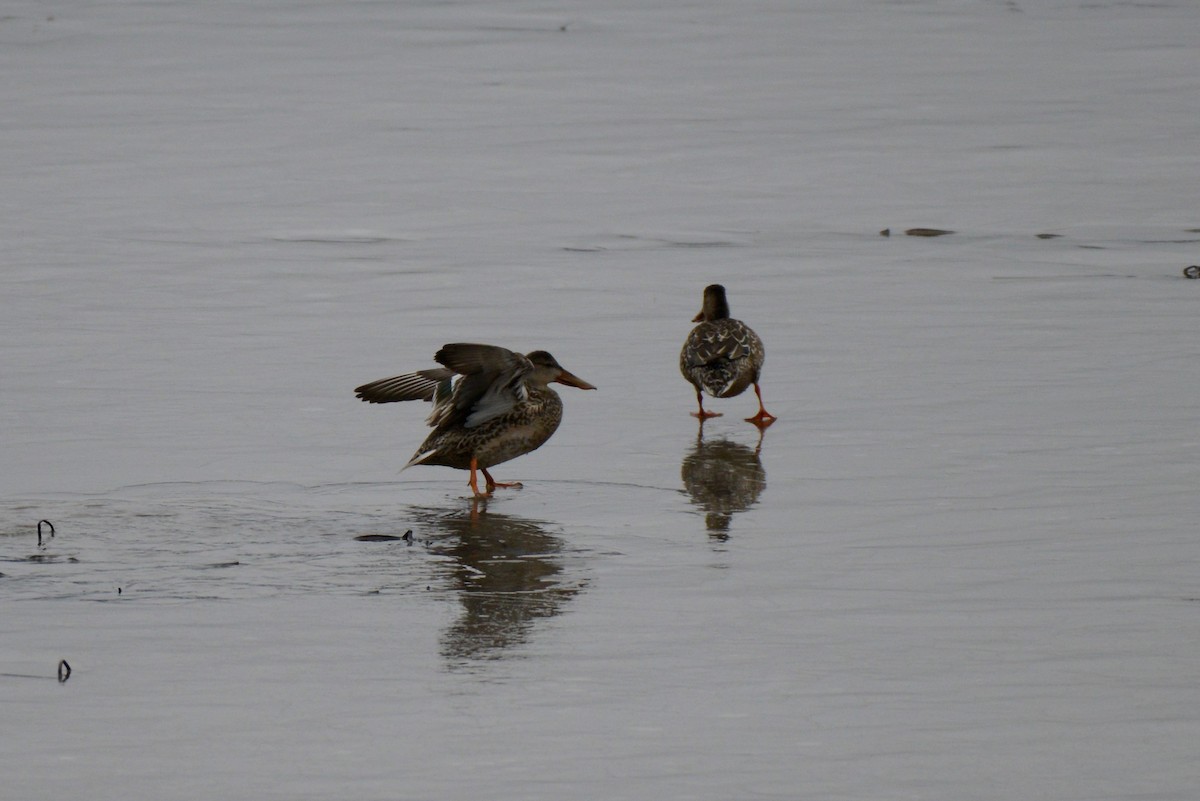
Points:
x=522, y=430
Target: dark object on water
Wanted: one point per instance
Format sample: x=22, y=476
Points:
x=927, y=232
x=408, y=537
x=51, y=526
x=64, y=671
x=886, y=232
x=1192, y=272
x=1049, y=236
x=382, y=537
x=722, y=356
x=490, y=405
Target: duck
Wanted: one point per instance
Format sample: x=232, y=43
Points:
x=490, y=405
x=722, y=356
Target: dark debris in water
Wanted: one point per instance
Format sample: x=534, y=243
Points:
x=49, y=525
x=1192, y=272
x=931, y=232
x=406, y=537
x=919, y=232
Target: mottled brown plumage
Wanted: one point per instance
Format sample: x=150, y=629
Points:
x=499, y=407
x=722, y=356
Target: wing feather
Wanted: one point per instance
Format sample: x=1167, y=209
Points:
x=421, y=385
x=721, y=340
x=476, y=383
x=492, y=383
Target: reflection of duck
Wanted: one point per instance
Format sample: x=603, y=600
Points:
x=508, y=572
x=499, y=408
x=722, y=356
x=723, y=478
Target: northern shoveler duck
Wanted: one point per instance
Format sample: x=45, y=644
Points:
x=722, y=356
x=499, y=407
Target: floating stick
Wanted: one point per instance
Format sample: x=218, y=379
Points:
x=50, y=525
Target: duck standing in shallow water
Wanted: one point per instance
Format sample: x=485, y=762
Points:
x=722, y=356
x=499, y=407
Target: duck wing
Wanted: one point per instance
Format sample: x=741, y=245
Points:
x=719, y=341
x=421, y=385
x=492, y=384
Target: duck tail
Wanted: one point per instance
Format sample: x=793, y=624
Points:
x=418, y=458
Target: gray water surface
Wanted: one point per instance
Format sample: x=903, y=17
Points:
x=961, y=565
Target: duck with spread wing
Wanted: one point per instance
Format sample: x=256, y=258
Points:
x=490, y=404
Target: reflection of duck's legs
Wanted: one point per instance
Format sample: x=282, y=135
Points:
x=703, y=415
x=763, y=418
x=475, y=503
x=762, y=430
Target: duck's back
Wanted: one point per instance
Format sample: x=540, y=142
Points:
x=722, y=357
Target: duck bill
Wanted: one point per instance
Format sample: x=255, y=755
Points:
x=572, y=380
x=699, y=318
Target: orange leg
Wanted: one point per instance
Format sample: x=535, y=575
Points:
x=763, y=418
x=474, y=482
x=703, y=415
x=493, y=483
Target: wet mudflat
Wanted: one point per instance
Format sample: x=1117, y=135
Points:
x=959, y=566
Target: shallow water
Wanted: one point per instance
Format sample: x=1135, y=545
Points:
x=960, y=565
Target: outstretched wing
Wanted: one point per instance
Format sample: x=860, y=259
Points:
x=421, y=385
x=467, y=358
x=492, y=383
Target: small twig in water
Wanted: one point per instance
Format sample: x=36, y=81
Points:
x=64, y=671
x=50, y=526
